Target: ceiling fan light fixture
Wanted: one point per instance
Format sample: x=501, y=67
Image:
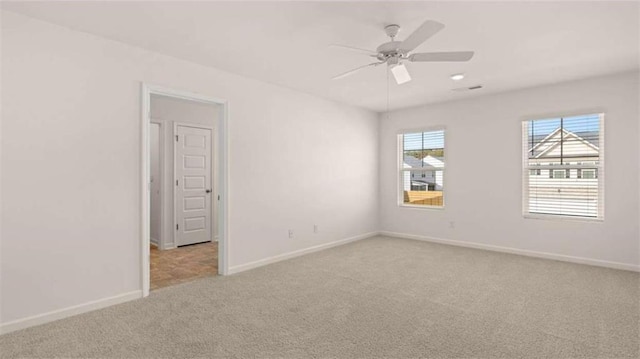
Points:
x=457, y=77
x=400, y=73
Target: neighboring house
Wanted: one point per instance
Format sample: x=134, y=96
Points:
x=573, y=149
x=428, y=174
x=572, y=188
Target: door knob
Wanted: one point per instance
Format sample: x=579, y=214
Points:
x=208, y=191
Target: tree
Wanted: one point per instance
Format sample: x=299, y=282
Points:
x=420, y=154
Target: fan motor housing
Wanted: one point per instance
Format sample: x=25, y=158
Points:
x=389, y=49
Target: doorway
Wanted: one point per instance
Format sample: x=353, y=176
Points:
x=184, y=204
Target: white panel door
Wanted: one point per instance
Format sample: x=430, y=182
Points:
x=193, y=185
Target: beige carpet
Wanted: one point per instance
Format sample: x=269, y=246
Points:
x=379, y=297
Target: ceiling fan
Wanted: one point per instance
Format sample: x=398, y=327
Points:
x=395, y=53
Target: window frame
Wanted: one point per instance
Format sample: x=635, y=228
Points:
x=599, y=168
x=400, y=170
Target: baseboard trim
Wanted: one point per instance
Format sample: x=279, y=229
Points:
x=289, y=255
x=68, y=312
x=522, y=252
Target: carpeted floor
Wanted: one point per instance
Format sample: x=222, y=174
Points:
x=374, y=298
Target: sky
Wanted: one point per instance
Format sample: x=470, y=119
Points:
x=424, y=140
x=584, y=123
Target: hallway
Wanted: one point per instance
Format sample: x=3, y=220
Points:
x=183, y=264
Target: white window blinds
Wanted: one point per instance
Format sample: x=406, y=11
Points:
x=563, y=166
x=422, y=168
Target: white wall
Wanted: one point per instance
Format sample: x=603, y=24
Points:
x=483, y=171
x=156, y=183
x=168, y=111
x=166, y=108
x=71, y=115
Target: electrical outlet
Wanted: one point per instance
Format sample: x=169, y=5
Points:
x=315, y=228
x=290, y=233
x=452, y=224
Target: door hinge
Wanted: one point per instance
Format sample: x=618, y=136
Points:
x=177, y=227
x=176, y=182
x=177, y=138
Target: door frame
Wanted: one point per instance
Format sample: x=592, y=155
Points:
x=213, y=164
x=222, y=176
x=162, y=241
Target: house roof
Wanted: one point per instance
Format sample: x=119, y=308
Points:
x=412, y=162
x=429, y=162
x=437, y=162
x=547, y=143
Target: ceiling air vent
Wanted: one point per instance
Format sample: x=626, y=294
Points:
x=476, y=87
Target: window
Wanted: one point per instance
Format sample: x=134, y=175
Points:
x=570, y=150
x=559, y=173
x=589, y=174
x=422, y=168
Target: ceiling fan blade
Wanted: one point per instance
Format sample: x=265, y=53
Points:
x=354, y=49
x=422, y=34
x=400, y=73
x=457, y=56
x=345, y=74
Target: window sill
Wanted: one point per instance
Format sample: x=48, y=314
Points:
x=413, y=206
x=553, y=217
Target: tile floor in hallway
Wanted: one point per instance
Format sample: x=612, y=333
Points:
x=183, y=264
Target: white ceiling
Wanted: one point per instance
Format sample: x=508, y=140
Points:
x=286, y=43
